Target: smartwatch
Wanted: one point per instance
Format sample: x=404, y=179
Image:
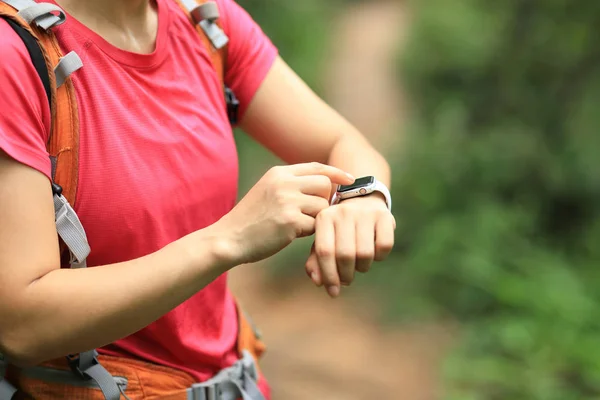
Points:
x=362, y=187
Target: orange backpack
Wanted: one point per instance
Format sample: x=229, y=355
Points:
x=33, y=22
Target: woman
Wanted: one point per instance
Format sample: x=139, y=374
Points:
x=157, y=190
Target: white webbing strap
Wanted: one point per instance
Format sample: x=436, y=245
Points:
x=66, y=66
x=217, y=37
x=205, y=15
x=237, y=381
x=86, y=365
x=45, y=15
x=71, y=231
x=208, y=11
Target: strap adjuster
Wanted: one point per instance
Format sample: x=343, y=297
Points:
x=75, y=363
x=233, y=106
x=56, y=189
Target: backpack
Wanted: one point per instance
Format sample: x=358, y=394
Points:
x=33, y=22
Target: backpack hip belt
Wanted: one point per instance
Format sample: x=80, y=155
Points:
x=33, y=22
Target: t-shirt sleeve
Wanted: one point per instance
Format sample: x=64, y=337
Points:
x=250, y=53
x=24, y=109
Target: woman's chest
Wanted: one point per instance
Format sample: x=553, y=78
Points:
x=157, y=160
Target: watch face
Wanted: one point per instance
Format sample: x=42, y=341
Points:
x=360, y=182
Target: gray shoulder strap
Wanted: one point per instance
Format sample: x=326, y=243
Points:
x=66, y=66
x=71, y=231
x=206, y=15
x=45, y=15
x=207, y=11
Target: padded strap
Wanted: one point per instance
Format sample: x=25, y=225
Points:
x=45, y=15
x=37, y=57
x=66, y=66
x=71, y=231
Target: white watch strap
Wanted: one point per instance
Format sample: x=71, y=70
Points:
x=378, y=187
x=335, y=199
x=381, y=188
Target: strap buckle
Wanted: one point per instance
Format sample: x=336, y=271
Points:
x=56, y=189
x=76, y=364
x=233, y=106
x=234, y=382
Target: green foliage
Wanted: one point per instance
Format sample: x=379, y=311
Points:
x=497, y=195
x=300, y=31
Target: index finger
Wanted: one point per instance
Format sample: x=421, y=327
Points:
x=336, y=175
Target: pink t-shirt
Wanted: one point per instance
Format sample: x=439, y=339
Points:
x=157, y=158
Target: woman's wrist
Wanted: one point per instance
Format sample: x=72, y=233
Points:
x=209, y=248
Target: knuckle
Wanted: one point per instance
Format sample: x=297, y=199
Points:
x=323, y=182
x=306, y=230
x=324, y=251
x=274, y=171
x=330, y=278
x=385, y=246
x=364, y=255
x=383, y=213
x=323, y=204
x=281, y=196
x=345, y=256
x=287, y=216
x=316, y=165
x=325, y=216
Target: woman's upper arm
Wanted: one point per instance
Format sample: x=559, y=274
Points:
x=288, y=118
x=28, y=239
x=276, y=107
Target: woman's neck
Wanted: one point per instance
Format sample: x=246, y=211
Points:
x=131, y=25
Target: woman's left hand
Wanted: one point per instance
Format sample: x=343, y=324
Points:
x=349, y=236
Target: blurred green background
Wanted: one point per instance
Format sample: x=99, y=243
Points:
x=496, y=185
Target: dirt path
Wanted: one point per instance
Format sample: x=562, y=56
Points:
x=329, y=350
x=361, y=78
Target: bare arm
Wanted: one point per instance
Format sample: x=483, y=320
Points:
x=289, y=119
x=47, y=312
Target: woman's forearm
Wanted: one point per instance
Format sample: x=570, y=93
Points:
x=354, y=154
x=73, y=310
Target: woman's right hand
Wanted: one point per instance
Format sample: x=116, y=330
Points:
x=281, y=207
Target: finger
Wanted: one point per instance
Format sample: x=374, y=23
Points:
x=365, y=245
x=305, y=226
x=312, y=267
x=384, y=237
x=345, y=249
x=336, y=175
x=313, y=205
x=325, y=250
x=315, y=185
